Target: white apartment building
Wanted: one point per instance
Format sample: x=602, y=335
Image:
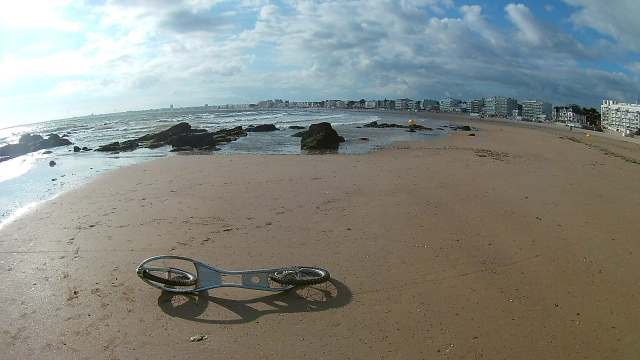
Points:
x=405, y=104
x=536, y=110
x=448, y=104
x=370, y=104
x=500, y=106
x=621, y=118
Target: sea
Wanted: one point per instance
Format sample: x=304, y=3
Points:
x=28, y=180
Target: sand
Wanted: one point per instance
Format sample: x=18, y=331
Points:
x=520, y=242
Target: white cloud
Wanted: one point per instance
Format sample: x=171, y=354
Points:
x=635, y=67
x=615, y=18
x=318, y=49
x=61, y=64
x=84, y=86
x=36, y=13
x=268, y=12
x=538, y=35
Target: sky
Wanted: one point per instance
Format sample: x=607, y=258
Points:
x=66, y=58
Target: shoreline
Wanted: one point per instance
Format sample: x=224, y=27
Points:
x=513, y=243
x=40, y=182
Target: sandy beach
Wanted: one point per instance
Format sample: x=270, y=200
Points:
x=520, y=242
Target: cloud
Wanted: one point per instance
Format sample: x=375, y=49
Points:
x=37, y=14
x=537, y=35
x=80, y=86
x=635, y=67
x=615, y=18
x=184, y=21
x=319, y=49
x=268, y=12
x=391, y=48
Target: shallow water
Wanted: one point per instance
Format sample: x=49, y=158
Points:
x=29, y=179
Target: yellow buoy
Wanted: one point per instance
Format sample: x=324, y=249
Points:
x=588, y=135
x=411, y=121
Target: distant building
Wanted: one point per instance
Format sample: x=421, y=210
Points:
x=266, y=104
x=536, y=110
x=404, y=104
x=371, y=104
x=430, y=105
x=448, y=104
x=621, y=118
x=459, y=108
x=569, y=114
x=499, y=106
x=334, y=104
x=517, y=112
x=475, y=106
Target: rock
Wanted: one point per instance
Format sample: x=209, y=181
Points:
x=29, y=139
x=175, y=130
x=181, y=137
x=30, y=143
x=52, y=163
x=472, y=134
x=262, y=128
x=76, y=149
x=297, y=127
x=364, y=138
x=193, y=140
x=128, y=145
x=47, y=152
x=320, y=136
x=374, y=124
x=465, y=128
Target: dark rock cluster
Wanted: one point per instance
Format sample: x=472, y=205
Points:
x=30, y=143
x=320, y=136
x=261, y=128
x=181, y=137
x=374, y=124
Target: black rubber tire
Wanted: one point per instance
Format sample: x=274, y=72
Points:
x=302, y=275
x=185, y=278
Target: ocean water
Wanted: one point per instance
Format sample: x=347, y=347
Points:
x=28, y=180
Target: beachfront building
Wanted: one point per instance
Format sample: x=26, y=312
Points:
x=499, y=106
x=620, y=118
x=448, y=104
x=335, y=104
x=475, y=106
x=371, y=104
x=266, y=104
x=569, y=114
x=430, y=105
x=536, y=110
x=405, y=104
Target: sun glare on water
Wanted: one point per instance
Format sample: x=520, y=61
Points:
x=15, y=167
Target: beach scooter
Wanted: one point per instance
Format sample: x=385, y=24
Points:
x=168, y=278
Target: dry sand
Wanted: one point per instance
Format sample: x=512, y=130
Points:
x=516, y=243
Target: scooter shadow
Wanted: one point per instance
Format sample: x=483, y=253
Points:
x=329, y=295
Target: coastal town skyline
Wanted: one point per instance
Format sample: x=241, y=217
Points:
x=70, y=58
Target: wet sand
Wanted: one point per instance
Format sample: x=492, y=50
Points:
x=520, y=242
